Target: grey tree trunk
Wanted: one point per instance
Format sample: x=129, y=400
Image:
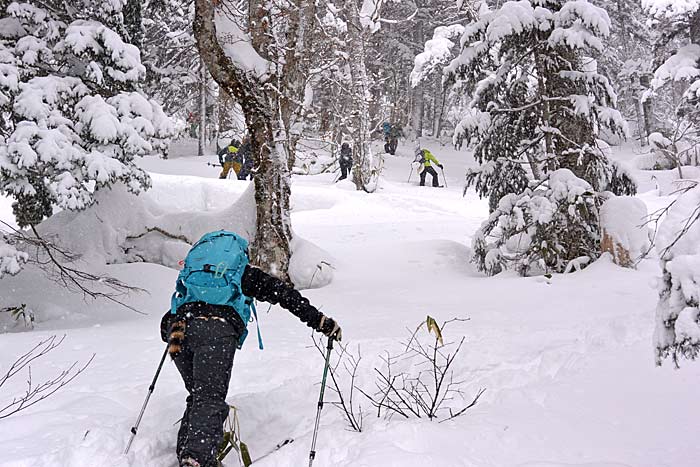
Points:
x=270, y=248
x=647, y=104
x=417, y=93
x=295, y=73
x=202, y=108
x=695, y=28
x=440, y=95
x=362, y=155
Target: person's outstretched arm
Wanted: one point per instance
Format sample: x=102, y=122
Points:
x=262, y=286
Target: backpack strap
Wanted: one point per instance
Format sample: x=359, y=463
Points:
x=257, y=323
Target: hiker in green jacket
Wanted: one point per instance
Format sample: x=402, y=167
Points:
x=426, y=159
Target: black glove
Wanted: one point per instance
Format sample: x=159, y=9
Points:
x=165, y=325
x=440, y=165
x=330, y=328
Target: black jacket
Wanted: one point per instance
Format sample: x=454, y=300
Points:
x=256, y=284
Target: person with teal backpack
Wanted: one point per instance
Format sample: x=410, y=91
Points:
x=207, y=321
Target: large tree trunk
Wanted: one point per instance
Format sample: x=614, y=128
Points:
x=270, y=249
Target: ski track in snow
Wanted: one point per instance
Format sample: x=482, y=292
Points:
x=567, y=362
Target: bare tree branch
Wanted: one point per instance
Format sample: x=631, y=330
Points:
x=35, y=393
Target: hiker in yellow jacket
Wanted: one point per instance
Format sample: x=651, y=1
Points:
x=426, y=159
x=230, y=159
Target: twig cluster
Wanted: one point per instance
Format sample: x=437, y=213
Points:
x=427, y=387
x=352, y=410
x=35, y=393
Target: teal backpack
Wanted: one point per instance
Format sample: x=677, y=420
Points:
x=212, y=273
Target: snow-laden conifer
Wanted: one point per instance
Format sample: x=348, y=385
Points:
x=73, y=118
x=538, y=103
x=538, y=100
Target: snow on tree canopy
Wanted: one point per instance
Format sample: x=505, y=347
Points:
x=93, y=39
x=670, y=8
x=71, y=130
x=238, y=46
x=683, y=65
x=438, y=51
x=11, y=260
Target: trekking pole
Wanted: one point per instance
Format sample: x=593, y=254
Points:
x=135, y=428
x=443, y=176
x=312, y=454
x=409, y=174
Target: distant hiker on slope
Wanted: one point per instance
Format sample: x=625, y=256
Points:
x=229, y=159
x=393, y=140
x=425, y=158
x=386, y=131
x=345, y=161
x=209, y=312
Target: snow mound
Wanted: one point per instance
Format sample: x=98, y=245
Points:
x=623, y=218
x=310, y=266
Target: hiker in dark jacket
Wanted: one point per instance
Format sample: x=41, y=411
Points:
x=345, y=161
x=246, y=155
x=203, y=339
x=393, y=139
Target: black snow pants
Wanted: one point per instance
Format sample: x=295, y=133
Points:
x=344, y=171
x=205, y=363
x=393, y=144
x=429, y=170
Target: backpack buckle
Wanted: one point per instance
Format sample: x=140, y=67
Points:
x=221, y=269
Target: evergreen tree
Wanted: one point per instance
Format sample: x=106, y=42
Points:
x=72, y=116
x=538, y=100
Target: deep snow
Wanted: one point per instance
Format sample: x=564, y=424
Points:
x=567, y=362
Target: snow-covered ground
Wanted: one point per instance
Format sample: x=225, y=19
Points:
x=567, y=362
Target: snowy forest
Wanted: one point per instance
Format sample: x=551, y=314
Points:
x=498, y=201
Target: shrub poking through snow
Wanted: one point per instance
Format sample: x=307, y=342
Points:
x=677, y=332
x=420, y=381
x=72, y=117
x=550, y=227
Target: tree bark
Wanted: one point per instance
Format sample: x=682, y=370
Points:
x=362, y=155
x=417, y=92
x=695, y=28
x=647, y=108
x=270, y=248
x=202, y=108
x=295, y=73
